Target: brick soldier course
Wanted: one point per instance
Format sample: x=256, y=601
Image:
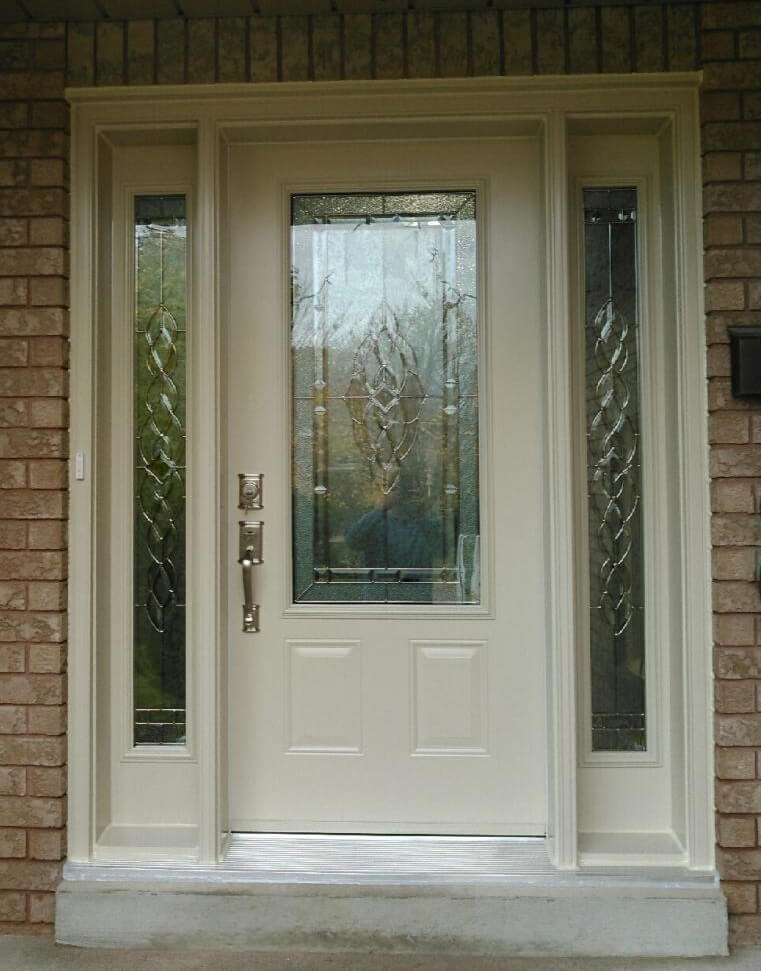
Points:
x=37, y=60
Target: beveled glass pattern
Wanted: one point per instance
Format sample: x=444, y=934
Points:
x=385, y=398
x=160, y=239
x=616, y=596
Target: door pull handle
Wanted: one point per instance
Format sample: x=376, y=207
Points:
x=250, y=555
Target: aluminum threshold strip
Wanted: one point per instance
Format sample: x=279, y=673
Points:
x=427, y=861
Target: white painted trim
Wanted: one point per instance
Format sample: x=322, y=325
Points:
x=639, y=102
x=693, y=457
x=561, y=677
x=207, y=538
x=82, y=575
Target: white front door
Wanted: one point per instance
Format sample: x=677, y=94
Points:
x=385, y=373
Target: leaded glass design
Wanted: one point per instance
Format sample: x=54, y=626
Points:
x=160, y=239
x=616, y=595
x=385, y=398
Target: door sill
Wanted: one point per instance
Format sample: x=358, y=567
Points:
x=285, y=859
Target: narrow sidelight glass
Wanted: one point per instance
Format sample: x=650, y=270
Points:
x=385, y=398
x=160, y=240
x=614, y=478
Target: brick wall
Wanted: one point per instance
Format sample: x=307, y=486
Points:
x=731, y=107
x=723, y=38
x=33, y=449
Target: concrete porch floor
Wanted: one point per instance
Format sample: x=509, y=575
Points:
x=30, y=953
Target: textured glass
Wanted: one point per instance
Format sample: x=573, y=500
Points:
x=614, y=471
x=160, y=236
x=385, y=410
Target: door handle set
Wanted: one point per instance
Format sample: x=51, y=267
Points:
x=250, y=539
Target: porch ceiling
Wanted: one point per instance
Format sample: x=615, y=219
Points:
x=57, y=10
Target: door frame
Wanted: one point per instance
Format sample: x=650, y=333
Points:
x=210, y=117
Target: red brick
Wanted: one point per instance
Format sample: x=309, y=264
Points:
x=39, y=504
x=49, y=413
x=736, y=697
x=736, y=831
x=12, y=535
x=737, y=262
x=12, y=906
x=46, y=595
x=731, y=75
x=733, y=629
x=13, y=412
x=733, y=13
x=48, y=54
x=13, y=114
x=47, y=781
x=12, y=474
x=31, y=442
x=47, y=171
x=739, y=797
x=735, y=763
x=52, y=231
x=41, y=908
x=48, y=351
x=722, y=166
x=47, y=844
x=729, y=564
x=36, y=260
x=49, y=114
x=736, y=460
x=728, y=495
x=12, y=843
x=738, y=663
x=29, y=874
x=731, y=197
x=13, y=232
x=723, y=230
x=14, y=352
x=12, y=657
x=744, y=930
x=34, y=320
x=37, y=381
x=741, y=897
x=18, y=750
x=46, y=720
x=46, y=658
x=35, y=565
x=12, y=779
x=31, y=689
x=738, y=730
x=47, y=536
x=726, y=136
x=717, y=45
x=13, y=172
x=48, y=291
x=734, y=596
x=724, y=295
x=12, y=595
x=48, y=474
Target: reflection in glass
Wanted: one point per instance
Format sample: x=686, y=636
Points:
x=160, y=237
x=614, y=489
x=385, y=409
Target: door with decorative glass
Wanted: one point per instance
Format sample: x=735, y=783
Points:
x=384, y=375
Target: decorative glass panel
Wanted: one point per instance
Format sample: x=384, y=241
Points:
x=385, y=398
x=159, y=540
x=614, y=478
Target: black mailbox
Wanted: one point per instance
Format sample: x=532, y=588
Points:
x=745, y=347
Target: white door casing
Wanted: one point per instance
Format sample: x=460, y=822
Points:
x=211, y=122
x=390, y=718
